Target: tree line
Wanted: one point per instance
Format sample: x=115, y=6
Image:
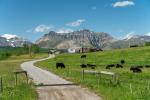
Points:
x=6, y=52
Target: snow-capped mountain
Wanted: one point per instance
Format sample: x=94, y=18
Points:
x=9, y=36
x=127, y=42
x=3, y=42
x=13, y=40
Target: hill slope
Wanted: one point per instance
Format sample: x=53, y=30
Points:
x=131, y=85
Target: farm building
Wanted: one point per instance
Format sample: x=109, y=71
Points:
x=84, y=50
x=71, y=50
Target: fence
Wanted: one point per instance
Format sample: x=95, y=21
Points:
x=136, y=86
x=1, y=85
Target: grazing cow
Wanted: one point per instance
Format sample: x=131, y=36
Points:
x=119, y=66
x=122, y=61
x=147, y=66
x=92, y=66
x=109, y=66
x=61, y=65
x=83, y=56
x=83, y=65
x=135, y=70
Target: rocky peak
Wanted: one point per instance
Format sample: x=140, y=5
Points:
x=79, y=38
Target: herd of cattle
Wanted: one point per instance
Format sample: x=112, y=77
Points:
x=135, y=69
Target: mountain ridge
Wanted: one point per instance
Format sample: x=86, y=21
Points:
x=90, y=39
x=77, y=39
x=80, y=38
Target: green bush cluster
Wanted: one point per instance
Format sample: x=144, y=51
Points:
x=6, y=52
x=4, y=55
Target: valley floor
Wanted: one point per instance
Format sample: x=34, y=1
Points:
x=131, y=86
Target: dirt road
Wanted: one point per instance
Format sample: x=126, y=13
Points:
x=60, y=92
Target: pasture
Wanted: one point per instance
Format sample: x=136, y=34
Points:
x=131, y=86
x=22, y=91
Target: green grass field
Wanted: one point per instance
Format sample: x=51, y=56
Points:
x=132, y=86
x=22, y=91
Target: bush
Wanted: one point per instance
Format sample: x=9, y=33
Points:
x=4, y=55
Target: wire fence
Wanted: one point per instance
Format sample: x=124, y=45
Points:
x=135, y=85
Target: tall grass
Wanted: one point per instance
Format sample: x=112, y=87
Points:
x=22, y=91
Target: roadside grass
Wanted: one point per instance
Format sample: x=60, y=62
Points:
x=132, y=86
x=22, y=91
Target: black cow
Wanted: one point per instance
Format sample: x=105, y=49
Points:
x=83, y=65
x=147, y=66
x=122, y=61
x=135, y=70
x=83, y=56
x=109, y=66
x=61, y=65
x=119, y=66
x=92, y=66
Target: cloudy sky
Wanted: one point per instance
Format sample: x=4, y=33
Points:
x=33, y=18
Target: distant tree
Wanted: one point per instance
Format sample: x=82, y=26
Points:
x=147, y=43
x=35, y=48
x=26, y=48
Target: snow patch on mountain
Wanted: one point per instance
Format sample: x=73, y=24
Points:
x=9, y=36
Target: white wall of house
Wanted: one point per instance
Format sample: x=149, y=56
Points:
x=71, y=50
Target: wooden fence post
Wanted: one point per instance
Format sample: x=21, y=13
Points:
x=1, y=85
x=26, y=77
x=99, y=78
x=114, y=79
x=19, y=72
x=83, y=74
x=68, y=71
x=16, y=78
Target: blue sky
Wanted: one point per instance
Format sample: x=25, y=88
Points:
x=33, y=18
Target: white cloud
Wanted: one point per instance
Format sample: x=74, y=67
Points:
x=43, y=28
x=63, y=30
x=9, y=36
x=148, y=34
x=123, y=4
x=76, y=23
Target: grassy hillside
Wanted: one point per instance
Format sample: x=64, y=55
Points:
x=22, y=91
x=131, y=86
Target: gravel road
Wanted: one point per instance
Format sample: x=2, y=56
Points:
x=59, y=92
